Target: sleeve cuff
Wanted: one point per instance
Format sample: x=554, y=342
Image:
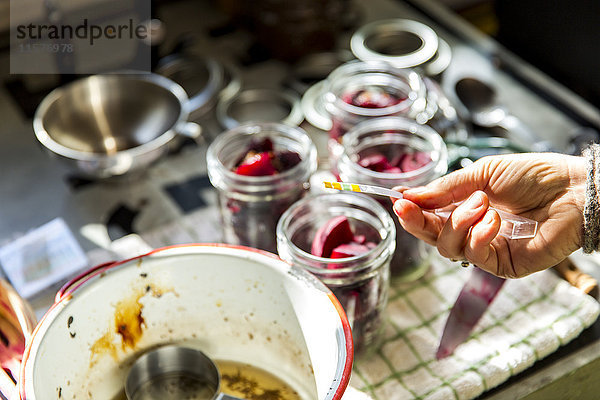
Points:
x=591, y=211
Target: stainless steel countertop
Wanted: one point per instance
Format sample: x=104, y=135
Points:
x=33, y=188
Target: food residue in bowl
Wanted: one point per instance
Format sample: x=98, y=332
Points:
x=128, y=324
x=237, y=379
x=253, y=383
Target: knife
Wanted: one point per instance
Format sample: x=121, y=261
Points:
x=476, y=295
x=576, y=277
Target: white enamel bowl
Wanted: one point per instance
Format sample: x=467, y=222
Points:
x=232, y=303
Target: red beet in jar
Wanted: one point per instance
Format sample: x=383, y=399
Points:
x=347, y=241
x=359, y=90
x=259, y=170
x=391, y=152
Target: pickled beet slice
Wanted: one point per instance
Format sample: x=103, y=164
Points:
x=373, y=98
x=284, y=160
x=261, y=145
x=375, y=162
x=256, y=165
x=261, y=159
x=333, y=233
x=393, y=170
x=351, y=249
x=379, y=163
x=401, y=163
x=360, y=239
x=414, y=161
x=396, y=160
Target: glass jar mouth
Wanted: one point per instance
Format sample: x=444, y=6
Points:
x=394, y=130
x=362, y=75
x=366, y=261
x=231, y=144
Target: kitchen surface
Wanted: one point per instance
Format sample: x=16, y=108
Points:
x=95, y=220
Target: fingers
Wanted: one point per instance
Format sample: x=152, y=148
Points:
x=448, y=189
x=400, y=189
x=466, y=235
x=454, y=235
x=478, y=249
x=421, y=224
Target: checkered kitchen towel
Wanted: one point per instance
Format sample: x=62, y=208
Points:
x=529, y=319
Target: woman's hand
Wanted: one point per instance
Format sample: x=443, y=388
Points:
x=546, y=187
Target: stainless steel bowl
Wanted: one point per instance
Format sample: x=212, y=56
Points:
x=107, y=125
x=174, y=372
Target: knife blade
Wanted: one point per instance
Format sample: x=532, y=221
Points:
x=476, y=295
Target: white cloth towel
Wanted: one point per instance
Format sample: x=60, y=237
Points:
x=528, y=320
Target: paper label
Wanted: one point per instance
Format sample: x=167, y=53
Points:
x=42, y=257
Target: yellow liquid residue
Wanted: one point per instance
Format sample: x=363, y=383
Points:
x=237, y=379
x=128, y=325
x=252, y=383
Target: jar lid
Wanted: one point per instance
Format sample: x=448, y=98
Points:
x=260, y=105
x=313, y=106
x=401, y=42
x=232, y=80
x=441, y=59
x=201, y=77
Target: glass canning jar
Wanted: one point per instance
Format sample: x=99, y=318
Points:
x=360, y=90
x=250, y=206
x=360, y=283
x=395, y=137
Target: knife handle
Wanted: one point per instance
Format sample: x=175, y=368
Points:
x=576, y=277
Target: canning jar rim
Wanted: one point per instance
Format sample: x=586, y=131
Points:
x=399, y=124
x=219, y=173
x=359, y=69
x=385, y=247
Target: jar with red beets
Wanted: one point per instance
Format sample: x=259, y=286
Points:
x=392, y=152
x=347, y=241
x=259, y=170
x=360, y=90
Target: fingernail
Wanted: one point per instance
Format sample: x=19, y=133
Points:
x=489, y=218
x=400, y=188
x=396, y=208
x=475, y=201
x=399, y=209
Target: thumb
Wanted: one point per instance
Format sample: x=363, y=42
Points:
x=448, y=189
